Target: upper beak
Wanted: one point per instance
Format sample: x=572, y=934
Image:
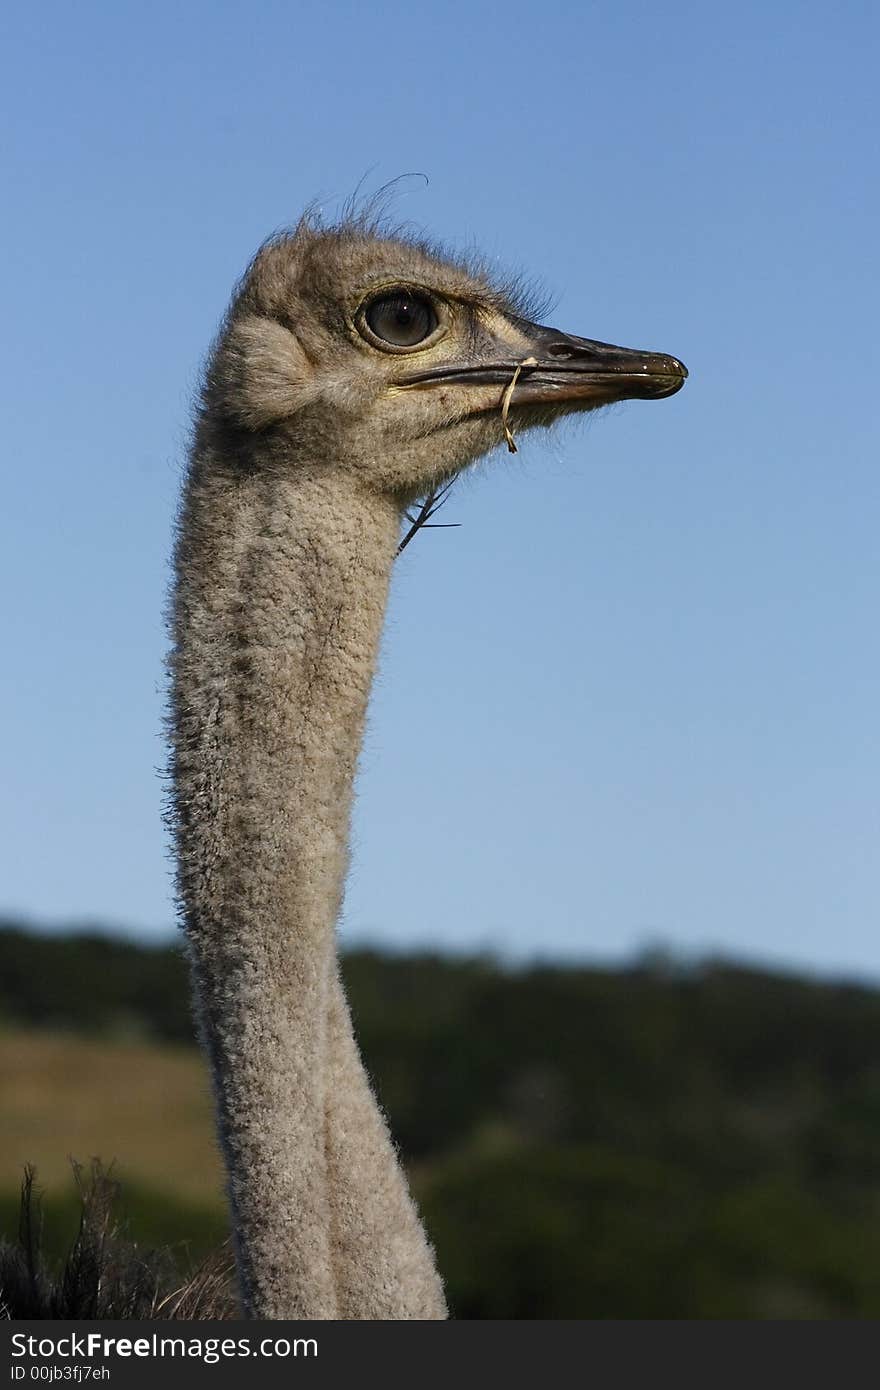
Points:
x=556, y=367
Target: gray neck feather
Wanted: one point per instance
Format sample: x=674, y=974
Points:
x=281, y=583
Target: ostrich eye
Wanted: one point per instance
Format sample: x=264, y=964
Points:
x=401, y=319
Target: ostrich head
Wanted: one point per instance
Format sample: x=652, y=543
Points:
x=377, y=355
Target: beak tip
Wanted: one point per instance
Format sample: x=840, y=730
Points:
x=675, y=374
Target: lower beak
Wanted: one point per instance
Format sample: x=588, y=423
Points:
x=558, y=367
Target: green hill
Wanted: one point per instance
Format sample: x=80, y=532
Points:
x=639, y=1142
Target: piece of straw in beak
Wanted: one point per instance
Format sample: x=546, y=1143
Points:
x=506, y=399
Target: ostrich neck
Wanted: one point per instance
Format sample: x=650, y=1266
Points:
x=282, y=578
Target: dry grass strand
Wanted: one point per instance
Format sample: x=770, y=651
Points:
x=507, y=397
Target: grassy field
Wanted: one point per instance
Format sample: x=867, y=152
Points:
x=144, y=1107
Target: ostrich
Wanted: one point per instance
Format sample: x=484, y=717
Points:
x=356, y=371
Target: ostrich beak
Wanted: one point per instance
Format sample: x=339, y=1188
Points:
x=553, y=368
x=568, y=368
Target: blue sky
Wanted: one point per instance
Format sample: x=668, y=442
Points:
x=635, y=696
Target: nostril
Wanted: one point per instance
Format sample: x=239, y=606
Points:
x=561, y=350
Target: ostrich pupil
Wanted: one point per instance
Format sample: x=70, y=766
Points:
x=401, y=319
